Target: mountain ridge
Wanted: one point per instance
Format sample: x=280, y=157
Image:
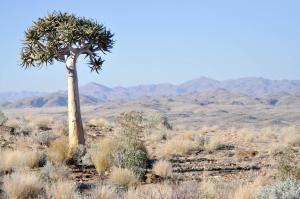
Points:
x=93, y=92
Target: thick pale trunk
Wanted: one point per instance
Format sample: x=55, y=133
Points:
x=76, y=134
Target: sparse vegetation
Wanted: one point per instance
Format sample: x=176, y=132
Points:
x=123, y=161
x=53, y=173
x=18, y=159
x=58, y=151
x=289, y=188
x=288, y=164
x=212, y=144
x=22, y=185
x=61, y=190
x=132, y=158
x=177, y=145
x=99, y=122
x=122, y=177
x=163, y=168
x=3, y=118
x=104, y=193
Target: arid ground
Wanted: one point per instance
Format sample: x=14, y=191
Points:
x=185, y=151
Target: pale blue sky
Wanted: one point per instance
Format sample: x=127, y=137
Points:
x=164, y=41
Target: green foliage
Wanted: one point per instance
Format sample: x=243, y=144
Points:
x=288, y=189
x=288, y=165
x=157, y=120
x=132, y=158
x=131, y=124
x=60, y=34
x=3, y=118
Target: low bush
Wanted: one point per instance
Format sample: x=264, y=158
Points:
x=288, y=164
x=288, y=189
x=157, y=121
x=3, y=118
x=54, y=173
x=130, y=124
x=44, y=137
x=131, y=155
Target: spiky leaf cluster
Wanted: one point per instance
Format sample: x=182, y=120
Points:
x=57, y=35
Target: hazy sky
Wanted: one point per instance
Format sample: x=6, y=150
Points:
x=163, y=41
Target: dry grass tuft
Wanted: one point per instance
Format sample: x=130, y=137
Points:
x=60, y=127
x=268, y=134
x=99, y=122
x=250, y=190
x=212, y=144
x=177, y=145
x=101, y=153
x=41, y=122
x=61, y=190
x=12, y=122
x=13, y=159
x=163, y=168
x=122, y=177
x=100, y=160
x=104, y=193
x=208, y=189
x=151, y=191
x=58, y=151
x=22, y=185
x=54, y=173
x=290, y=136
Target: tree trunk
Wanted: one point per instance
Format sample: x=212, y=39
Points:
x=76, y=134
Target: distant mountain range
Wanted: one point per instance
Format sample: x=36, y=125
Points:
x=93, y=93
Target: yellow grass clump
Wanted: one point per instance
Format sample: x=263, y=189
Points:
x=14, y=159
x=41, y=122
x=60, y=127
x=212, y=144
x=163, y=168
x=122, y=177
x=249, y=190
x=61, y=190
x=99, y=122
x=22, y=185
x=101, y=153
x=208, y=189
x=290, y=136
x=58, y=151
x=104, y=193
x=153, y=191
x=177, y=145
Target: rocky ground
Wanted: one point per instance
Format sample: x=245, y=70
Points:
x=239, y=157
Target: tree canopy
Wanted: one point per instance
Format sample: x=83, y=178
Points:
x=58, y=35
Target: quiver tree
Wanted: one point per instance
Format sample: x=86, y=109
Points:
x=64, y=37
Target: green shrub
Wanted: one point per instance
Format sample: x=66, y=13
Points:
x=130, y=124
x=132, y=158
x=157, y=120
x=288, y=189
